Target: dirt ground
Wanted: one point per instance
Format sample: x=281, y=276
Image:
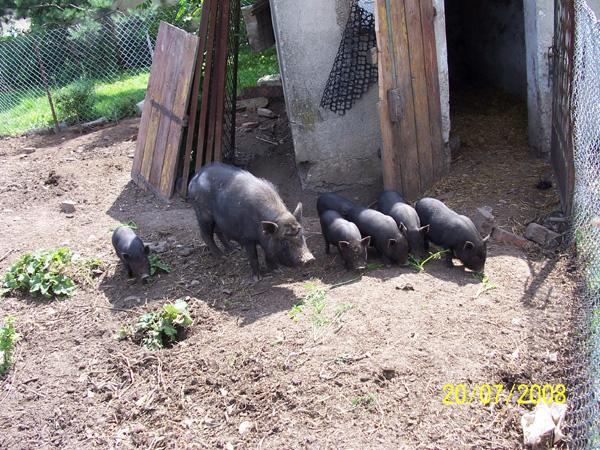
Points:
x=366, y=373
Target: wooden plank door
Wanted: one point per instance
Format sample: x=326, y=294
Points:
x=561, y=150
x=409, y=96
x=165, y=106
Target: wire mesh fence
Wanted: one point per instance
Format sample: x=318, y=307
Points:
x=35, y=63
x=583, y=373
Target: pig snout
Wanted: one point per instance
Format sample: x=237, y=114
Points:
x=306, y=257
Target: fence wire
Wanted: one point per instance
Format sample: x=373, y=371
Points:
x=33, y=63
x=584, y=370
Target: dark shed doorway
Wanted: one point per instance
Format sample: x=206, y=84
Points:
x=486, y=45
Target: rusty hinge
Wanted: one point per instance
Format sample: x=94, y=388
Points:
x=395, y=104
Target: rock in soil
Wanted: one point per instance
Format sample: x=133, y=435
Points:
x=185, y=251
x=159, y=247
x=245, y=427
x=250, y=124
x=265, y=112
x=67, y=206
x=542, y=235
x=269, y=80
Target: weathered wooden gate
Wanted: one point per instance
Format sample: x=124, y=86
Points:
x=409, y=96
x=562, y=53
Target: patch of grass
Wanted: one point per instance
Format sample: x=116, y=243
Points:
x=375, y=266
x=8, y=339
x=252, y=66
x=157, y=264
x=487, y=284
x=365, y=400
x=110, y=99
x=419, y=266
x=314, y=306
x=157, y=329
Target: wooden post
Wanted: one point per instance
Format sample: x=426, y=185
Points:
x=45, y=81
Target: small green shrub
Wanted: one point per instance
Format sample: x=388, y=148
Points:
x=158, y=329
x=75, y=102
x=43, y=272
x=157, y=264
x=8, y=339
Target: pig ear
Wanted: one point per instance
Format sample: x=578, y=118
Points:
x=424, y=229
x=366, y=241
x=392, y=243
x=298, y=212
x=147, y=249
x=469, y=245
x=125, y=256
x=485, y=239
x=269, y=227
x=343, y=244
x=403, y=228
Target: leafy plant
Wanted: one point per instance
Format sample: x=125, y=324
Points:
x=43, y=272
x=160, y=328
x=487, y=283
x=157, y=264
x=419, y=266
x=8, y=339
x=75, y=102
x=296, y=310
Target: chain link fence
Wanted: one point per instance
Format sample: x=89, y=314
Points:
x=584, y=371
x=33, y=64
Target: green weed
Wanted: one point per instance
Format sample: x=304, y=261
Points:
x=43, y=272
x=375, y=266
x=314, y=306
x=157, y=264
x=296, y=310
x=160, y=328
x=419, y=266
x=487, y=284
x=8, y=339
x=365, y=400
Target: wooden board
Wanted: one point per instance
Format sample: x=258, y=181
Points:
x=409, y=96
x=165, y=107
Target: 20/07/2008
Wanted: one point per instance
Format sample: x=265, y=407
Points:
x=485, y=394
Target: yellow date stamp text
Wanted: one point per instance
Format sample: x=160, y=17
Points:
x=486, y=394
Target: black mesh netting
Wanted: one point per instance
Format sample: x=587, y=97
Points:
x=352, y=74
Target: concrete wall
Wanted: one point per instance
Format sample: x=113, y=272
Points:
x=539, y=26
x=332, y=151
x=486, y=44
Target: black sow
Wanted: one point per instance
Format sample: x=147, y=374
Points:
x=454, y=232
x=237, y=206
x=346, y=236
x=132, y=251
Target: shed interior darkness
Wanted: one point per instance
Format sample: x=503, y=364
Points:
x=486, y=45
